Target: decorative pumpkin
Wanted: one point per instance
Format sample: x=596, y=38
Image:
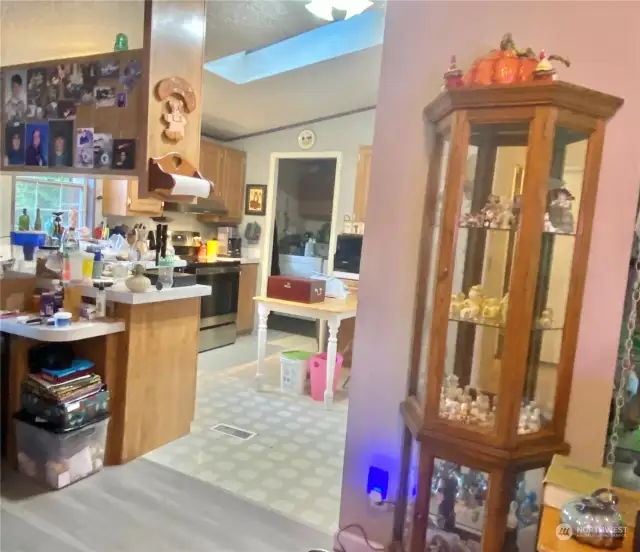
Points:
x=506, y=65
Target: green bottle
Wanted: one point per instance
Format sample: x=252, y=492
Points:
x=23, y=221
x=121, y=44
x=37, y=225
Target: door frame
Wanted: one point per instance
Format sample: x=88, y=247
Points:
x=270, y=213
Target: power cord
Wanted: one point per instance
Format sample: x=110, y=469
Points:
x=364, y=536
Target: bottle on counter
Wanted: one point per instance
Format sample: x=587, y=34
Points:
x=98, y=265
x=101, y=301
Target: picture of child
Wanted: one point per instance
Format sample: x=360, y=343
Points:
x=15, y=106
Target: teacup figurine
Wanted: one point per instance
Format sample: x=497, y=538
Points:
x=457, y=302
x=491, y=309
x=546, y=318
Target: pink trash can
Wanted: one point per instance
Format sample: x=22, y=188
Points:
x=318, y=373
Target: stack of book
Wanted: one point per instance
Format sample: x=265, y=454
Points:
x=66, y=398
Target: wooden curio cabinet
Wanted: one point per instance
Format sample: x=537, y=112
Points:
x=505, y=241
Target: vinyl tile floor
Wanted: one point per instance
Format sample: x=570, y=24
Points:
x=293, y=465
x=142, y=507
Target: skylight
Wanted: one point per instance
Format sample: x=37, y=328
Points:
x=320, y=44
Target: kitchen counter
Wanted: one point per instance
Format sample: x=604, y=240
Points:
x=147, y=357
x=82, y=329
x=152, y=295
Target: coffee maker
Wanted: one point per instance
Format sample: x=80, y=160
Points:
x=229, y=242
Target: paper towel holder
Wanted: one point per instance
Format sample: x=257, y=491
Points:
x=161, y=176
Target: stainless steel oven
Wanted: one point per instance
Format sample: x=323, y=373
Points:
x=218, y=311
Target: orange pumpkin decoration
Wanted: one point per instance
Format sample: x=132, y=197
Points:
x=505, y=66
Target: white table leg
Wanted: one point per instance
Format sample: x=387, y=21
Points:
x=263, y=315
x=332, y=353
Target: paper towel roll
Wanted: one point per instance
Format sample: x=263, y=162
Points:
x=187, y=185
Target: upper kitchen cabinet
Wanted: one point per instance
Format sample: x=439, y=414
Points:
x=363, y=174
x=120, y=198
x=225, y=168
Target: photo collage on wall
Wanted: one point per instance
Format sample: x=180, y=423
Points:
x=40, y=106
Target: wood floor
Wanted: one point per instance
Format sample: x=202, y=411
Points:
x=142, y=507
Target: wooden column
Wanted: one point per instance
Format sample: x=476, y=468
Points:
x=174, y=35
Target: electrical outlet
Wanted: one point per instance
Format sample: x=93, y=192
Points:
x=377, y=502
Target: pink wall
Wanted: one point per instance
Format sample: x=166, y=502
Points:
x=602, y=41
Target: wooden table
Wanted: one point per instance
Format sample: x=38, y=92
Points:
x=332, y=311
x=549, y=542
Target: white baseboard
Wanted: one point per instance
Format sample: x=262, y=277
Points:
x=354, y=542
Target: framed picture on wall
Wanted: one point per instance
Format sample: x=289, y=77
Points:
x=255, y=201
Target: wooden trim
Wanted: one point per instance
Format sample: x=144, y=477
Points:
x=421, y=506
x=496, y=509
x=74, y=59
x=424, y=262
x=400, y=510
x=557, y=93
x=525, y=274
x=508, y=115
x=446, y=254
x=411, y=412
x=573, y=310
x=578, y=122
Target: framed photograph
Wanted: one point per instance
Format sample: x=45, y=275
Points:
x=255, y=202
x=14, y=144
x=15, y=95
x=61, y=143
x=37, y=143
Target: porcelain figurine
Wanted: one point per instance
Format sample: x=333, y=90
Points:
x=546, y=319
x=560, y=213
x=548, y=227
x=470, y=310
x=138, y=283
x=453, y=76
x=457, y=302
x=491, y=309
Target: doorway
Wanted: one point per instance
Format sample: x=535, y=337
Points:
x=302, y=223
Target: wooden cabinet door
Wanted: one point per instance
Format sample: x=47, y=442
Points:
x=234, y=166
x=120, y=197
x=246, y=293
x=136, y=204
x=363, y=173
x=212, y=167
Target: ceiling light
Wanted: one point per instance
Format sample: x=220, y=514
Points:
x=324, y=8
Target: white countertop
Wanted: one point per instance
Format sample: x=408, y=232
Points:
x=152, y=295
x=82, y=329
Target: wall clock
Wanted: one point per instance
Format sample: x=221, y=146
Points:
x=306, y=139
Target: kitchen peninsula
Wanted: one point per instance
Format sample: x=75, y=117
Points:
x=146, y=354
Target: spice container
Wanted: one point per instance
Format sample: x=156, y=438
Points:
x=62, y=319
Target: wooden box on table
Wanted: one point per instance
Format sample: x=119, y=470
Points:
x=300, y=290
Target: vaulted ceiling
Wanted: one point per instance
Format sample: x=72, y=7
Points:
x=45, y=29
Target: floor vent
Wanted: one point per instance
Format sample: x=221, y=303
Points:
x=233, y=431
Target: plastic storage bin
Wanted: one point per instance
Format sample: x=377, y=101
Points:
x=294, y=367
x=318, y=370
x=59, y=458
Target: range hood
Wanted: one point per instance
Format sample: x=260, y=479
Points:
x=200, y=207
